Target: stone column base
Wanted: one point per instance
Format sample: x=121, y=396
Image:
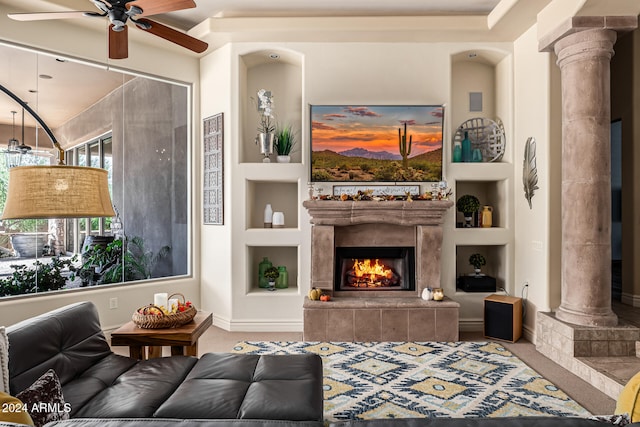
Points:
x=567, y=344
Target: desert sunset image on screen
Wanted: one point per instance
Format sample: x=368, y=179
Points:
x=376, y=143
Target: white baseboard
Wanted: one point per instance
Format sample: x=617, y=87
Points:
x=257, y=325
x=471, y=325
x=630, y=299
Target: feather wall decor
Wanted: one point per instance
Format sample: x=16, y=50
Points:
x=529, y=170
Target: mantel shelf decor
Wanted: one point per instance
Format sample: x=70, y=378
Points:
x=340, y=213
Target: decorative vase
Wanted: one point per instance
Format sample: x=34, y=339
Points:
x=487, y=216
x=476, y=155
x=457, y=152
x=427, y=294
x=262, y=267
x=278, y=220
x=477, y=271
x=282, y=281
x=268, y=216
x=467, y=220
x=265, y=142
x=283, y=159
x=272, y=285
x=438, y=294
x=466, y=148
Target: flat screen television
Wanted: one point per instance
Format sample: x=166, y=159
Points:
x=362, y=143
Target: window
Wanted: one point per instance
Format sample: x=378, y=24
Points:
x=99, y=156
x=139, y=132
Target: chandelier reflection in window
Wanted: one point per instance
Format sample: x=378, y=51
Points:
x=20, y=154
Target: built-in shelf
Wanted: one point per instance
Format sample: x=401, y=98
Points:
x=489, y=192
x=283, y=77
x=278, y=255
x=485, y=74
x=495, y=255
x=282, y=196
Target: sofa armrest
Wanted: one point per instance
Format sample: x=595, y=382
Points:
x=68, y=340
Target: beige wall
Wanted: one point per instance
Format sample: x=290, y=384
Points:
x=531, y=117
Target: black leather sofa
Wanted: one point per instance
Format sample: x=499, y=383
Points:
x=219, y=389
x=99, y=384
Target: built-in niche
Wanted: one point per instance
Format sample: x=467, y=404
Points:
x=278, y=71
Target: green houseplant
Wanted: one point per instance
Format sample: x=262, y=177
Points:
x=121, y=261
x=285, y=140
x=271, y=274
x=468, y=205
x=477, y=261
x=41, y=277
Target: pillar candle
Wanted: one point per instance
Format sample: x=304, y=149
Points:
x=171, y=303
x=160, y=299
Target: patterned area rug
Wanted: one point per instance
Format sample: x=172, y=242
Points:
x=430, y=379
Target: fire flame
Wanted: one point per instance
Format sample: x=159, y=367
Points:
x=373, y=271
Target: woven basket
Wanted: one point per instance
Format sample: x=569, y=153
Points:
x=153, y=321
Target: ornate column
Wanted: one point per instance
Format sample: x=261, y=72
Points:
x=584, y=52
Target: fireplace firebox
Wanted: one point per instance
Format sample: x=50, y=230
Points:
x=374, y=268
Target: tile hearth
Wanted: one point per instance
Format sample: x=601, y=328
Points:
x=380, y=319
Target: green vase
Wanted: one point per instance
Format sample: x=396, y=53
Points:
x=283, y=279
x=263, y=282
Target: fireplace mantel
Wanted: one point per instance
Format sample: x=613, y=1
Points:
x=372, y=223
x=339, y=213
x=378, y=315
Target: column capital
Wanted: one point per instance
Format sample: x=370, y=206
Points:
x=619, y=24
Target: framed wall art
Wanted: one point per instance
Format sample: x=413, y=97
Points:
x=376, y=143
x=213, y=189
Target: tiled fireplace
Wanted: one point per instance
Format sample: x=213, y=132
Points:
x=407, y=237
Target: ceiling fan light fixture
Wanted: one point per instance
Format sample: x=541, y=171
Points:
x=41, y=192
x=133, y=11
x=38, y=192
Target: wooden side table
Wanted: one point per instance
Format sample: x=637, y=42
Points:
x=183, y=340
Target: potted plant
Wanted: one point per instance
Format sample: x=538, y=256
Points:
x=271, y=274
x=266, y=129
x=477, y=261
x=468, y=205
x=284, y=143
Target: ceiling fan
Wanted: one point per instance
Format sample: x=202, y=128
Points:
x=121, y=11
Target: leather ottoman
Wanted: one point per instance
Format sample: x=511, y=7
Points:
x=268, y=387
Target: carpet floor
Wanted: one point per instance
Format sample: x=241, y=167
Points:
x=431, y=379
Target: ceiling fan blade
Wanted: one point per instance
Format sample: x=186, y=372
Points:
x=172, y=35
x=118, y=43
x=154, y=7
x=41, y=16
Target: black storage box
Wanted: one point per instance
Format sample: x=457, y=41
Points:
x=473, y=283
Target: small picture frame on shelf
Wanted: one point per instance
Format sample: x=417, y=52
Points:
x=213, y=159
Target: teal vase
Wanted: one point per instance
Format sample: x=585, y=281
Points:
x=263, y=282
x=476, y=155
x=466, y=148
x=457, y=153
x=282, y=281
